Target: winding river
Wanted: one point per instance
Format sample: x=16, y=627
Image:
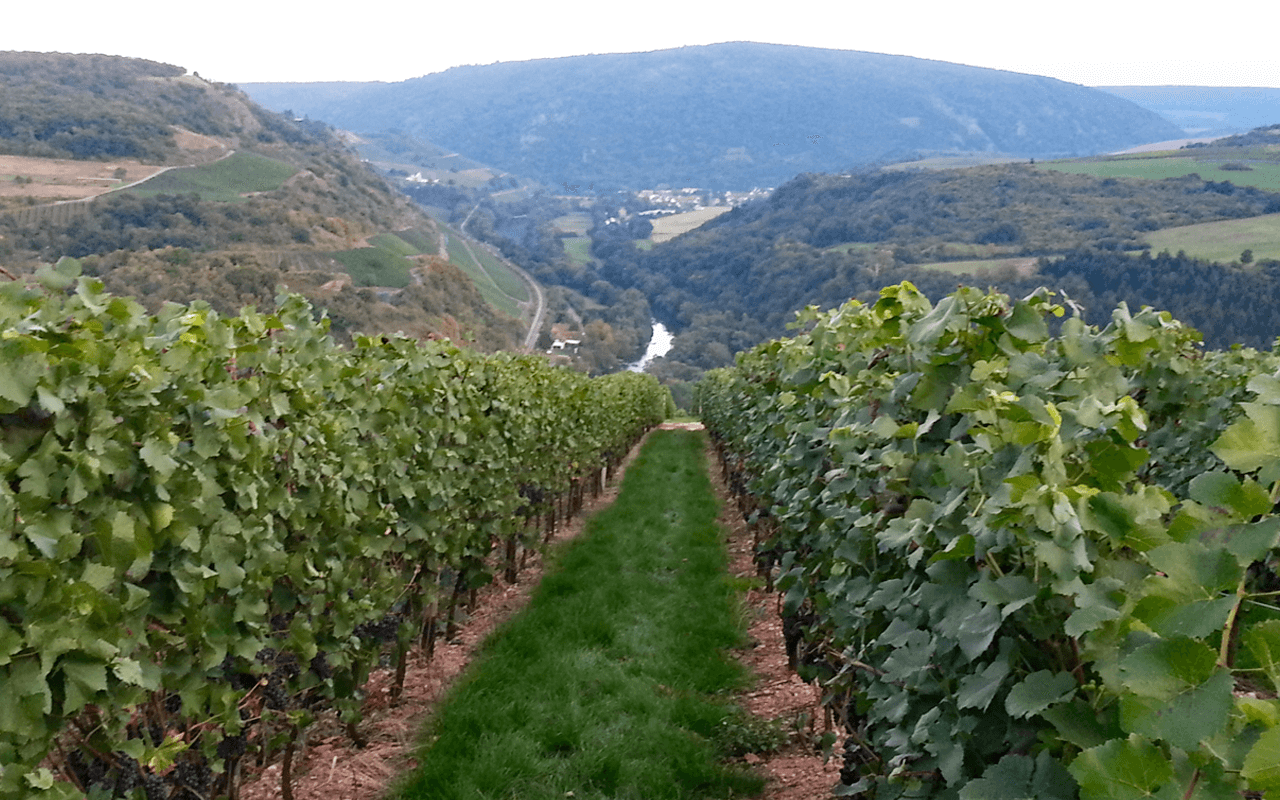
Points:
x=659, y=344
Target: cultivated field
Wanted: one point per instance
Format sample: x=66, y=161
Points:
x=577, y=248
x=670, y=227
x=577, y=223
x=1019, y=266
x=48, y=179
x=227, y=180
x=1224, y=240
x=501, y=288
x=1158, y=166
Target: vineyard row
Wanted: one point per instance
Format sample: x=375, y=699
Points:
x=1023, y=557
x=214, y=527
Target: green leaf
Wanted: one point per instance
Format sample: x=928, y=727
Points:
x=156, y=455
x=1027, y=323
x=1165, y=669
x=1121, y=769
x=1077, y=723
x=1251, y=443
x=166, y=754
x=931, y=327
x=1263, y=642
x=1195, y=594
x=980, y=688
x=1017, y=777
x=1262, y=764
x=1038, y=691
x=1248, y=542
x=1194, y=716
x=1222, y=490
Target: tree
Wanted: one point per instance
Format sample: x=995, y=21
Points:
x=1246, y=257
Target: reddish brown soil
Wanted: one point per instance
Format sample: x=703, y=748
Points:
x=330, y=767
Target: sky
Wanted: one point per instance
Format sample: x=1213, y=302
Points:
x=1090, y=42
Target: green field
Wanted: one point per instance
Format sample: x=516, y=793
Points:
x=578, y=248
x=852, y=247
x=481, y=275
x=227, y=181
x=375, y=266
x=670, y=227
x=505, y=279
x=1263, y=175
x=1224, y=240
x=577, y=223
x=424, y=241
x=395, y=243
x=982, y=265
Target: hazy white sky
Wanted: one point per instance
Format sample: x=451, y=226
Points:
x=1092, y=42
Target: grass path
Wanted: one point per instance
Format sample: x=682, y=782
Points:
x=615, y=682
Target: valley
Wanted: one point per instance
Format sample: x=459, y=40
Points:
x=990, y=382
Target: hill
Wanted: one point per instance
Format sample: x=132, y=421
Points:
x=1207, y=110
x=821, y=239
x=169, y=187
x=725, y=116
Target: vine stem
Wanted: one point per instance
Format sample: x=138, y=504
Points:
x=1195, y=778
x=1225, y=650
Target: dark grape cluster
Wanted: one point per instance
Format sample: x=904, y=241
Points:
x=173, y=703
x=88, y=769
x=273, y=693
x=321, y=667
x=238, y=679
x=856, y=756
x=231, y=747
x=192, y=777
x=384, y=630
x=285, y=663
x=155, y=787
x=128, y=774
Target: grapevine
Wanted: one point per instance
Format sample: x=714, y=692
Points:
x=1022, y=556
x=213, y=526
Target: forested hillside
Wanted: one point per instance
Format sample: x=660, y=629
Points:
x=726, y=116
x=821, y=239
x=269, y=201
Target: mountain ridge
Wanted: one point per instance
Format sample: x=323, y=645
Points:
x=733, y=115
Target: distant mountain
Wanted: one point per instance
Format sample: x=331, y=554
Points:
x=725, y=116
x=1207, y=110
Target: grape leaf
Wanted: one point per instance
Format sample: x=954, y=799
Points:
x=1121, y=769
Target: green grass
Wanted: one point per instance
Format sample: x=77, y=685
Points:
x=979, y=266
x=857, y=247
x=505, y=279
x=577, y=248
x=643, y=244
x=222, y=181
x=424, y=241
x=1223, y=240
x=673, y=225
x=484, y=282
x=395, y=244
x=577, y=223
x=1261, y=174
x=374, y=266
x=613, y=683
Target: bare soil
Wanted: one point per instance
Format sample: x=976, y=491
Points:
x=330, y=767
x=63, y=179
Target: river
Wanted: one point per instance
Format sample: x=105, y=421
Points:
x=659, y=345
